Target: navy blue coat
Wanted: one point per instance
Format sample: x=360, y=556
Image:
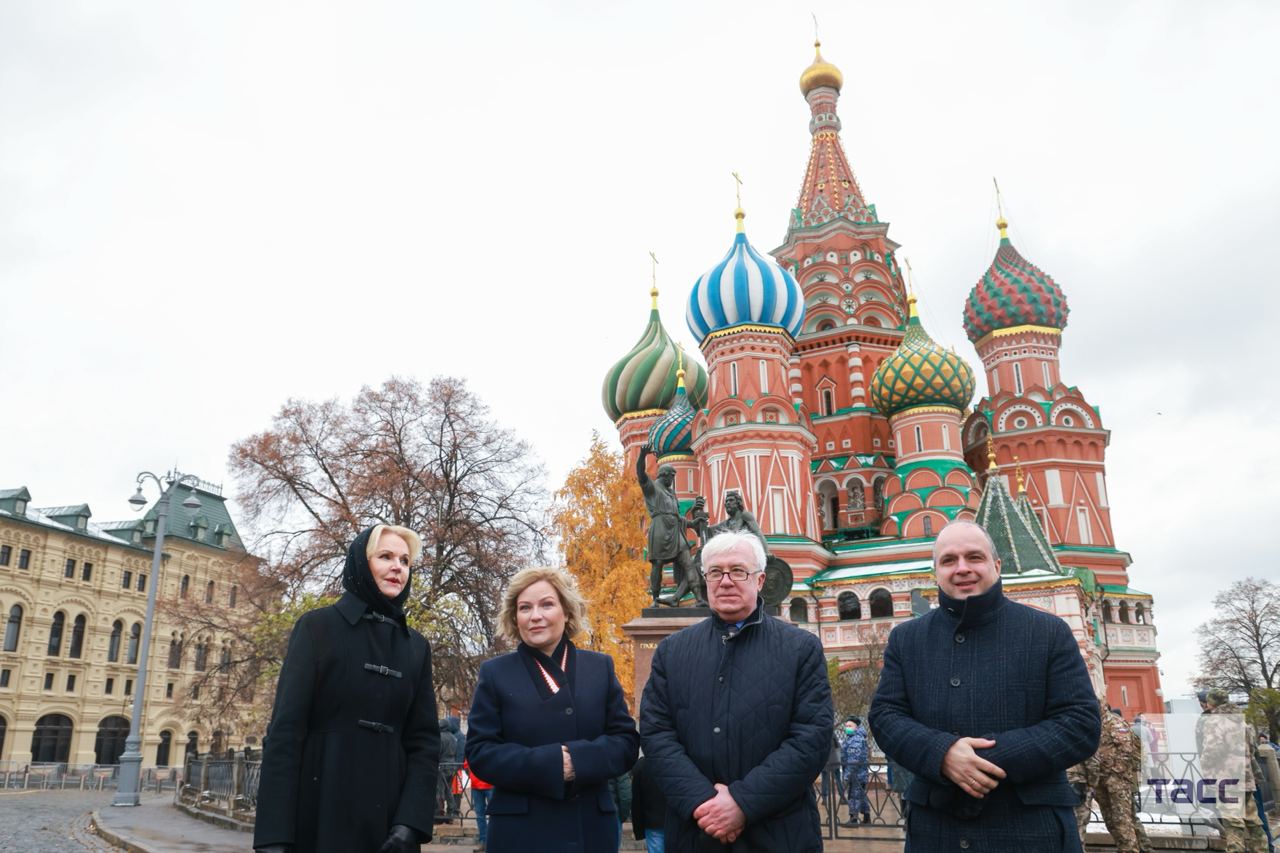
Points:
x=750, y=709
x=514, y=735
x=987, y=667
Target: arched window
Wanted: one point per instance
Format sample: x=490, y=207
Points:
x=799, y=610
x=3, y=728
x=135, y=636
x=848, y=606
x=208, y=593
x=13, y=628
x=217, y=745
x=1124, y=612
x=231, y=596
x=162, y=751
x=55, y=634
x=927, y=521
x=77, y=636
x=225, y=663
x=834, y=508
x=193, y=744
x=881, y=603
x=186, y=585
x=1139, y=615
x=51, y=740
x=175, y=653
x=828, y=402
x=1106, y=611
x=113, y=645
x=202, y=656
x=109, y=743
x=877, y=494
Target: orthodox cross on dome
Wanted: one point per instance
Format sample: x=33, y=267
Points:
x=738, y=214
x=1001, y=222
x=653, y=291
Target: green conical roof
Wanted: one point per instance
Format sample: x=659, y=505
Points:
x=1021, y=545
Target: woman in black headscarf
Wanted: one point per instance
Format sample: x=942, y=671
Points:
x=349, y=761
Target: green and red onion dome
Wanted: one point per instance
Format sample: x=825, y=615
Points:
x=672, y=434
x=1013, y=292
x=921, y=372
x=645, y=378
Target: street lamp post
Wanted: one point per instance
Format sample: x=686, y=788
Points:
x=129, y=782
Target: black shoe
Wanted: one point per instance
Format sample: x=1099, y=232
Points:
x=849, y=822
x=866, y=818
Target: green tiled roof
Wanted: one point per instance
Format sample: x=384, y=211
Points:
x=1018, y=546
x=211, y=516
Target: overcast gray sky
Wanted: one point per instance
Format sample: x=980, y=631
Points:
x=207, y=208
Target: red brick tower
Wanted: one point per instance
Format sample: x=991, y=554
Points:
x=1015, y=315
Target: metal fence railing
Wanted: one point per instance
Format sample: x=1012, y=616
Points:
x=46, y=775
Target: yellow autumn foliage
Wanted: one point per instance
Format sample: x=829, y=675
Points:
x=599, y=517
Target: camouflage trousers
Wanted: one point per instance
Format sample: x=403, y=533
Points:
x=1115, y=803
x=1244, y=835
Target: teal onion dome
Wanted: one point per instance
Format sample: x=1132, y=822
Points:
x=644, y=380
x=672, y=434
x=745, y=288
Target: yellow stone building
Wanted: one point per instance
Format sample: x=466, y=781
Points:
x=73, y=596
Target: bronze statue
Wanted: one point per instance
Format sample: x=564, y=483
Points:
x=778, y=576
x=739, y=520
x=667, y=541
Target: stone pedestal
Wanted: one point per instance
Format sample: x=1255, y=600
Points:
x=649, y=630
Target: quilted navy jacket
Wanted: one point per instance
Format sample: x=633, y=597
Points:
x=749, y=708
x=987, y=667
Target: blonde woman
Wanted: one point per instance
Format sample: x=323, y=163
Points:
x=349, y=761
x=549, y=726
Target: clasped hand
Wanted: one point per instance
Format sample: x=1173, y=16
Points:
x=720, y=816
x=972, y=773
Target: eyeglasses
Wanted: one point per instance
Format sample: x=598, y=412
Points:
x=735, y=573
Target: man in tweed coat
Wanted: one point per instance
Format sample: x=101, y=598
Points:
x=987, y=702
x=736, y=718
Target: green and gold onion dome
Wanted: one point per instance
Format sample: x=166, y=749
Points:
x=644, y=380
x=921, y=373
x=1013, y=292
x=672, y=434
x=820, y=73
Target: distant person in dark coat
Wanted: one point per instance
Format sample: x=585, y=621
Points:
x=648, y=808
x=349, y=761
x=986, y=702
x=549, y=726
x=736, y=718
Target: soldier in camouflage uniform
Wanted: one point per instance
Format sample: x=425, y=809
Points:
x=1111, y=776
x=1221, y=753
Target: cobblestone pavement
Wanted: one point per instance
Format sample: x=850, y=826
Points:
x=50, y=821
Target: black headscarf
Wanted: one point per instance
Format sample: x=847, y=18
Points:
x=357, y=579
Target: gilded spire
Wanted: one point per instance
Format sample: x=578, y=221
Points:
x=1001, y=222
x=679, y=366
x=653, y=291
x=1022, y=487
x=911, y=291
x=991, y=454
x=739, y=214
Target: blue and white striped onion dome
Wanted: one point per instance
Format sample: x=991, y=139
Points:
x=746, y=287
x=672, y=434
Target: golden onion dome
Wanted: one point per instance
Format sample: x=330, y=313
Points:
x=820, y=73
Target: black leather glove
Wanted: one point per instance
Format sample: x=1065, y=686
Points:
x=274, y=848
x=402, y=839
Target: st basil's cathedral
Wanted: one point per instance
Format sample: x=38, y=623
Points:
x=853, y=437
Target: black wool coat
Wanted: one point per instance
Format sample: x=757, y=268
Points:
x=514, y=734
x=747, y=708
x=353, y=743
x=987, y=667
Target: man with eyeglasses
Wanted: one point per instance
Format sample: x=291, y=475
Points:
x=736, y=717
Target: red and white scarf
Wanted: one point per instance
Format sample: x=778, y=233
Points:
x=546, y=676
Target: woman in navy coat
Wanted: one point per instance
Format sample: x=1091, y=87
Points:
x=549, y=726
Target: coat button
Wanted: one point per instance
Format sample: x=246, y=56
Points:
x=716, y=730
x=955, y=681
x=568, y=711
x=959, y=638
x=721, y=678
x=964, y=844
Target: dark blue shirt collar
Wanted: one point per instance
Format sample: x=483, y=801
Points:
x=975, y=609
